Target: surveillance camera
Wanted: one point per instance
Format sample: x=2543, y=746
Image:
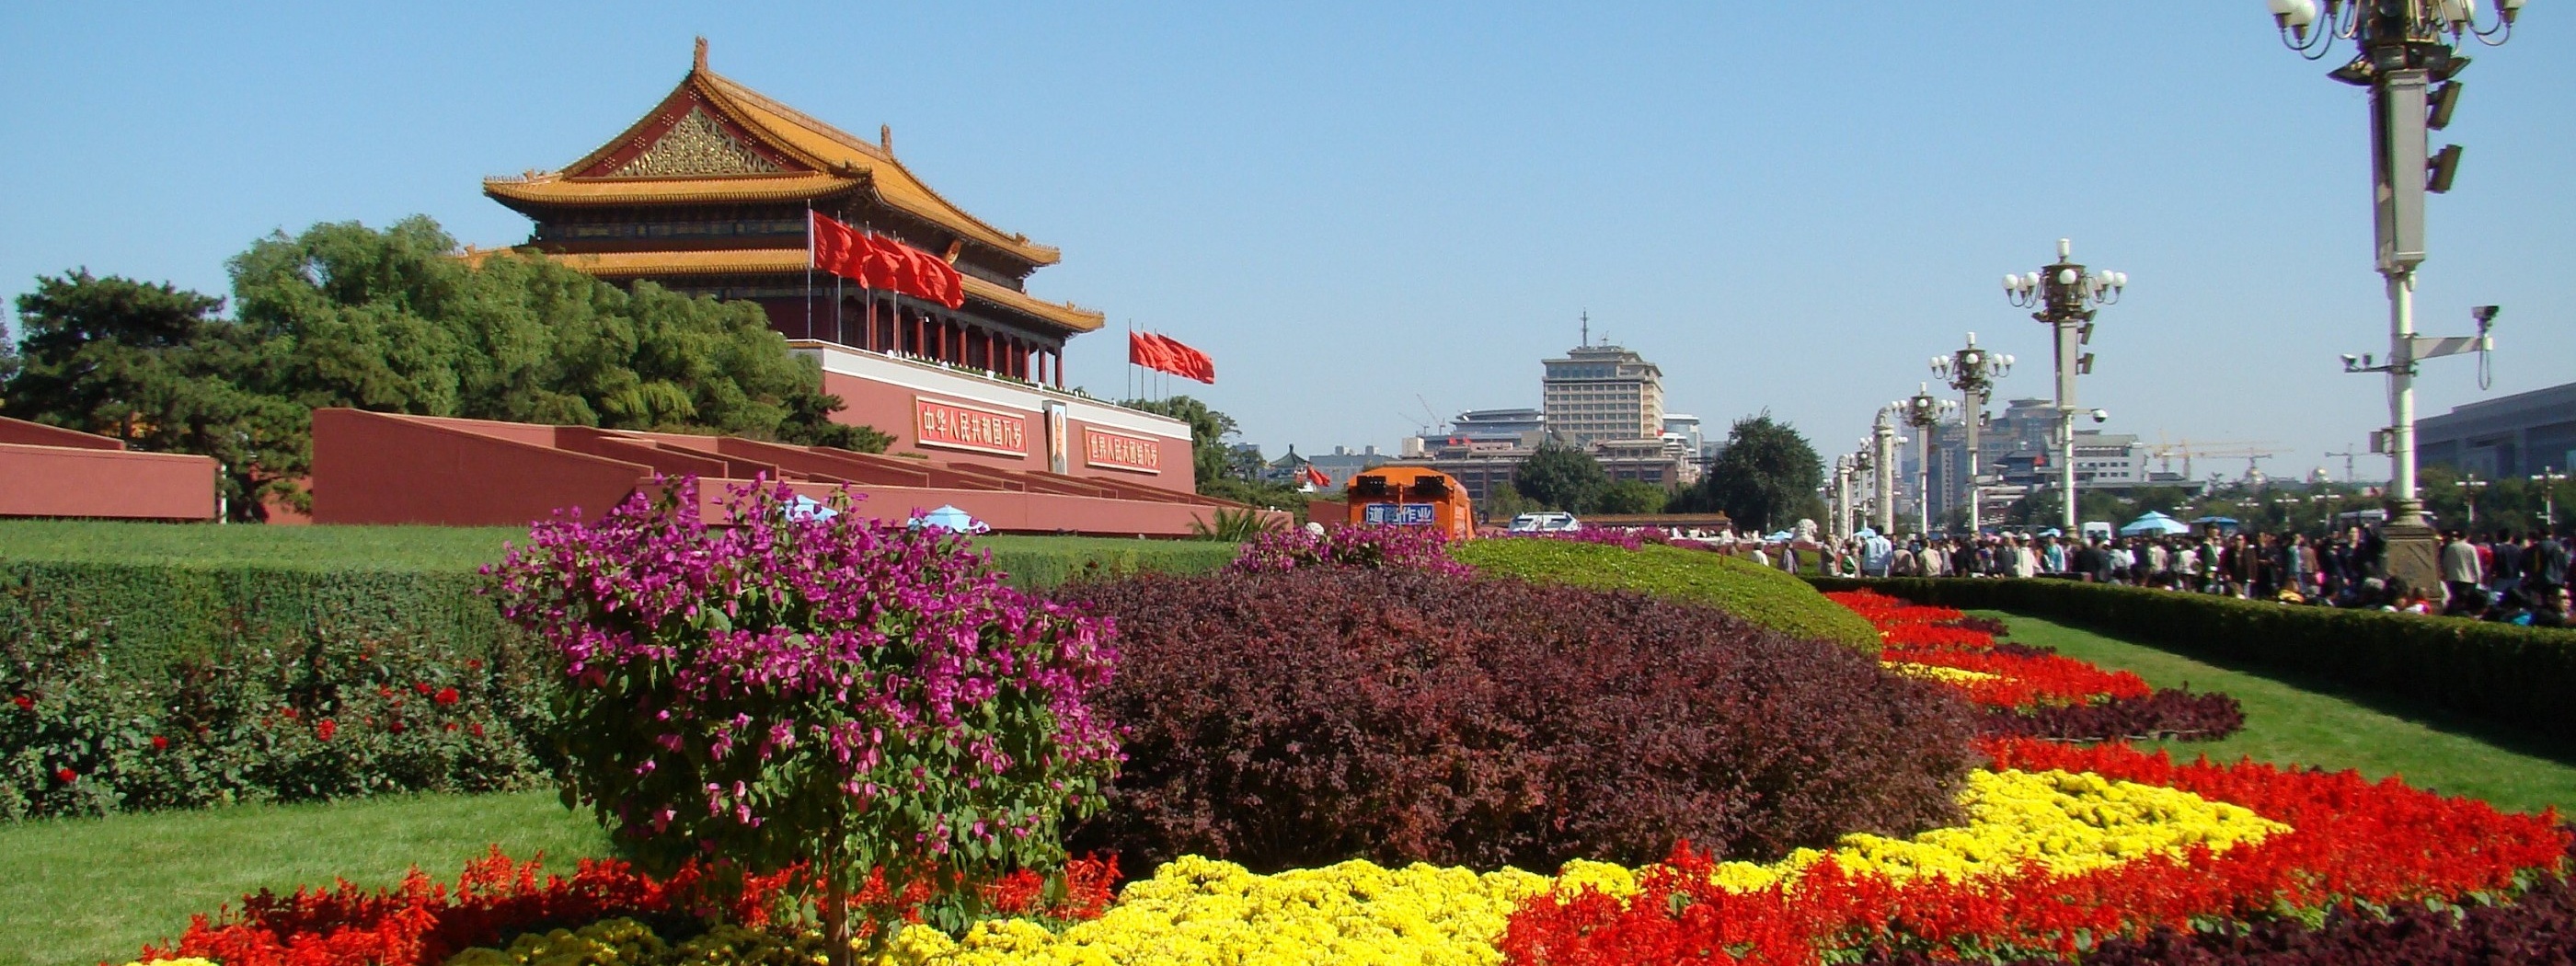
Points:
x=2485, y=313
x=2350, y=360
x=2101, y=415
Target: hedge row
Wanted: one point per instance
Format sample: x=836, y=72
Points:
x=2514, y=675
x=151, y=615
x=1767, y=597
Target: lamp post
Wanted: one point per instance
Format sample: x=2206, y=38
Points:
x=1882, y=437
x=2469, y=487
x=2549, y=480
x=1923, y=411
x=2403, y=54
x=2067, y=297
x=1973, y=371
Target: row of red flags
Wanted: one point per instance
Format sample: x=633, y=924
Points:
x=1166, y=354
x=877, y=262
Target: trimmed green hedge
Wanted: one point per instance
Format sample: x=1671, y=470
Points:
x=2516, y=675
x=168, y=606
x=1762, y=595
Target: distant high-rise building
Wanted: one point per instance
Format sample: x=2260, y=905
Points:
x=1599, y=392
x=1503, y=425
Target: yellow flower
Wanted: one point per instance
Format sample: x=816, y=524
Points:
x=1944, y=675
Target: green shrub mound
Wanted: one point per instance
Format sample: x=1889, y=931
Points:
x=2513, y=675
x=1766, y=597
x=158, y=594
x=1301, y=718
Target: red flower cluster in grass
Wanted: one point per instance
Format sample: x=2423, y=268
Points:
x=420, y=922
x=1938, y=637
x=2352, y=841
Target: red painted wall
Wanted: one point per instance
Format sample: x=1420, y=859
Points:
x=890, y=410
x=379, y=468
x=25, y=433
x=70, y=481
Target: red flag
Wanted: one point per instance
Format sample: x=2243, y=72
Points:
x=1187, y=362
x=1317, y=477
x=1142, y=351
x=836, y=247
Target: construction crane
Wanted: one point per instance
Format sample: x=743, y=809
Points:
x=2348, y=456
x=2251, y=451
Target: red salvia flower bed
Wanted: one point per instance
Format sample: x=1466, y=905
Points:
x=2352, y=841
x=421, y=922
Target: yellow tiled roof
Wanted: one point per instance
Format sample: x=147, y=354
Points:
x=836, y=159
x=750, y=261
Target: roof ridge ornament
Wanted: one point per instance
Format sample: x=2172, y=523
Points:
x=698, y=59
x=885, y=138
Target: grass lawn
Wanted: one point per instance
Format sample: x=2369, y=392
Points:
x=2294, y=720
x=407, y=547
x=78, y=891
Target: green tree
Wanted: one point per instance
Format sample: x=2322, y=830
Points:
x=1561, y=477
x=392, y=321
x=1631, y=496
x=154, y=366
x=1766, y=478
x=1209, y=455
x=1502, y=502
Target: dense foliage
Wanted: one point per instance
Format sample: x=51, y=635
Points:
x=1409, y=548
x=796, y=688
x=316, y=718
x=393, y=321
x=2515, y=675
x=1761, y=595
x=1765, y=478
x=1562, y=477
x=1323, y=713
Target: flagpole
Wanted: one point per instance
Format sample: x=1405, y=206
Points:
x=809, y=269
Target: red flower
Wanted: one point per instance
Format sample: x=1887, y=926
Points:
x=67, y=775
x=422, y=687
x=476, y=728
x=445, y=696
x=384, y=692
x=324, y=729
x=159, y=743
x=475, y=664
x=450, y=726
x=23, y=702
x=396, y=727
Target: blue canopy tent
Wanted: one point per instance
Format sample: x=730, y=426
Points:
x=2154, y=524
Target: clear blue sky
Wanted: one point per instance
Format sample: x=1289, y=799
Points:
x=1354, y=205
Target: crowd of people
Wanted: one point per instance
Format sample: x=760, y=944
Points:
x=2500, y=576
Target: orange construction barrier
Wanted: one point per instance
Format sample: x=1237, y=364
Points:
x=1411, y=496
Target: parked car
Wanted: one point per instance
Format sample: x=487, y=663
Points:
x=1545, y=523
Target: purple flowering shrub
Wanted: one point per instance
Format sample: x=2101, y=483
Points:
x=1408, y=548
x=798, y=687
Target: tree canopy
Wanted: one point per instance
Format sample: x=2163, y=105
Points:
x=1562, y=477
x=393, y=321
x=1765, y=479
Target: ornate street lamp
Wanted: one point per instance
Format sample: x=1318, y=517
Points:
x=1923, y=411
x=1973, y=371
x=2066, y=296
x=2402, y=51
x=1882, y=458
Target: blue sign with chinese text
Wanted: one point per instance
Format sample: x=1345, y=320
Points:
x=1398, y=514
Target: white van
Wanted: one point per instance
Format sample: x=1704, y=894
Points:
x=1545, y=523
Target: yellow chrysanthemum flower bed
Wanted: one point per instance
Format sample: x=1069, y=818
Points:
x=1931, y=672
x=1199, y=910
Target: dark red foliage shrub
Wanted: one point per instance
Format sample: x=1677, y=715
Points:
x=1293, y=719
x=1971, y=622
x=2163, y=714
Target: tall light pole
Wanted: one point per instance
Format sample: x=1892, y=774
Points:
x=2403, y=53
x=2469, y=487
x=1882, y=437
x=2067, y=296
x=1973, y=371
x=2549, y=480
x=1923, y=411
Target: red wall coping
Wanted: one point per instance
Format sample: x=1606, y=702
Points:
x=68, y=481
x=23, y=433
